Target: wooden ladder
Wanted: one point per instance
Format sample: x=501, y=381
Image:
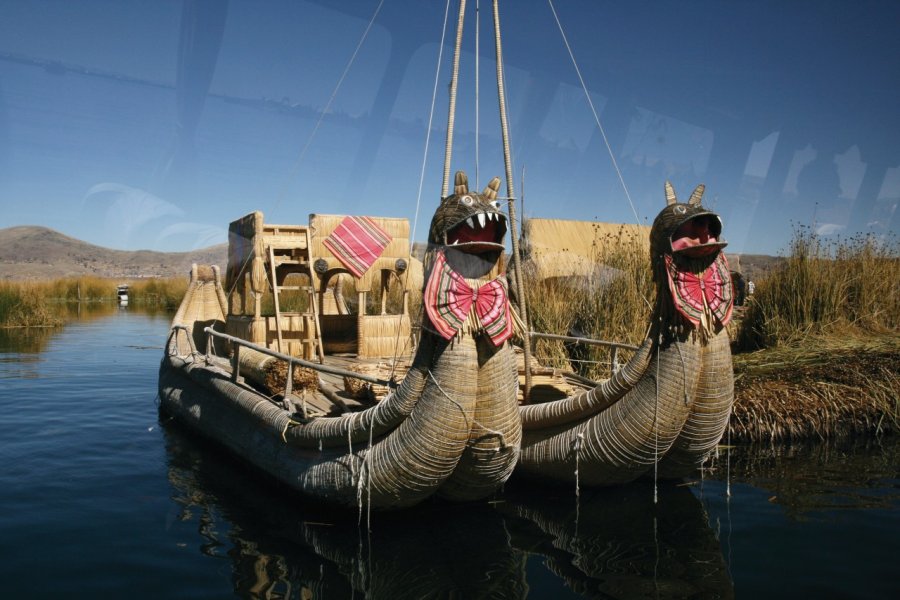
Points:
x=299, y=262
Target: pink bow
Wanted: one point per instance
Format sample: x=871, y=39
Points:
x=449, y=300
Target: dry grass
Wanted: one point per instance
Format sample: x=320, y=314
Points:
x=24, y=305
x=165, y=293
x=613, y=303
x=825, y=288
x=45, y=303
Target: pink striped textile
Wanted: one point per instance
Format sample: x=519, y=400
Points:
x=357, y=242
x=449, y=299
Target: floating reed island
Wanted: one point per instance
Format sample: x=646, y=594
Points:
x=828, y=389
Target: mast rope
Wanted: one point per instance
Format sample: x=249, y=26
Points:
x=412, y=233
x=312, y=135
x=594, y=112
x=437, y=75
x=477, y=97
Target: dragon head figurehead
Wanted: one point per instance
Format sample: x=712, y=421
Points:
x=689, y=266
x=470, y=228
x=464, y=287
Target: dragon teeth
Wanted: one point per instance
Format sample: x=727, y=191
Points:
x=470, y=222
x=481, y=219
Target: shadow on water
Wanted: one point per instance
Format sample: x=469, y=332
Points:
x=616, y=544
x=282, y=547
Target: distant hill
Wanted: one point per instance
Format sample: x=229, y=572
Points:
x=31, y=252
x=754, y=266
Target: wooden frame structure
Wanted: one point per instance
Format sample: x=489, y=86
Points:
x=266, y=259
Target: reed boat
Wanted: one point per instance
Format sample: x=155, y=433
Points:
x=450, y=428
x=666, y=409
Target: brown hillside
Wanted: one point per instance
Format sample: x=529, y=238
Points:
x=30, y=252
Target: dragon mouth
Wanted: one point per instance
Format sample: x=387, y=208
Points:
x=481, y=232
x=698, y=236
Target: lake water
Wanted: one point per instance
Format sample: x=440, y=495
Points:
x=100, y=499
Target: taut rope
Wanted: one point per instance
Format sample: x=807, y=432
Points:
x=594, y=111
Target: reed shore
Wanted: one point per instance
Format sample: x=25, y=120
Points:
x=44, y=303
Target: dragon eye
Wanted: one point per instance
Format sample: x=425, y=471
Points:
x=467, y=200
x=495, y=204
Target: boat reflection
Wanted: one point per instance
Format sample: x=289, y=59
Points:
x=283, y=547
x=616, y=543
x=612, y=543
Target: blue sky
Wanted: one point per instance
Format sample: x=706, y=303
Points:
x=153, y=124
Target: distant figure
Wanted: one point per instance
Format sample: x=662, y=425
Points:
x=579, y=354
x=739, y=284
x=750, y=287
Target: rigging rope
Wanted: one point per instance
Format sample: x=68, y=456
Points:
x=312, y=135
x=477, y=98
x=594, y=111
x=437, y=76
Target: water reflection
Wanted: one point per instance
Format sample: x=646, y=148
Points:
x=24, y=341
x=613, y=544
x=23, y=344
x=616, y=543
x=809, y=477
x=281, y=547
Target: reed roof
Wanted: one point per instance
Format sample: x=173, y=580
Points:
x=565, y=248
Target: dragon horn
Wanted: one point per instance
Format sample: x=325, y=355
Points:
x=670, y=194
x=697, y=194
x=493, y=186
x=461, y=184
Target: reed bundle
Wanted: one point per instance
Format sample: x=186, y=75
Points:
x=798, y=393
x=270, y=373
x=386, y=370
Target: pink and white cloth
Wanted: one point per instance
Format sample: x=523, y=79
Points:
x=449, y=300
x=357, y=242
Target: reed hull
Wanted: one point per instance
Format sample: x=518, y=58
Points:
x=668, y=422
x=436, y=434
x=709, y=415
x=623, y=441
x=665, y=411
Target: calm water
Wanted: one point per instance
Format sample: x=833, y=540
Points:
x=100, y=499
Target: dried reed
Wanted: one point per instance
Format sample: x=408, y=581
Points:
x=24, y=305
x=793, y=393
x=612, y=303
x=825, y=287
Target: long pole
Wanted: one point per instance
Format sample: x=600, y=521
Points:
x=511, y=201
x=451, y=118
